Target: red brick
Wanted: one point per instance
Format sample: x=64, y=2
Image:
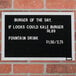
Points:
x=60, y=4
x=5, y=4
x=5, y=68
x=28, y=4
x=52, y=68
x=61, y=68
x=28, y=68
x=70, y=4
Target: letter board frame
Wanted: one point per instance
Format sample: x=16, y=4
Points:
x=39, y=58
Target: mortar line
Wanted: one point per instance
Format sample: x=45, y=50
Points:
x=0, y=19
x=28, y=61
x=0, y=31
x=28, y=74
x=40, y=9
x=40, y=74
x=44, y=4
x=12, y=68
x=45, y=68
x=0, y=41
x=37, y=63
x=12, y=4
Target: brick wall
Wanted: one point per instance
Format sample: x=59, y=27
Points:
x=37, y=68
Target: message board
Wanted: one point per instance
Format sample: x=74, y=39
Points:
x=38, y=36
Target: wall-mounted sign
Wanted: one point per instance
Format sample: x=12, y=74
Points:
x=38, y=36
